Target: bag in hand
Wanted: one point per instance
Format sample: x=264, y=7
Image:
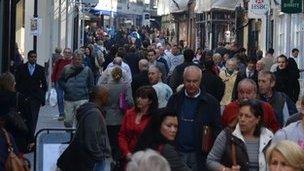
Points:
x=207, y=139
x=123, y=104
x=13, y=162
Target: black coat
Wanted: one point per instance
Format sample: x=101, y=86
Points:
x=287, y=82
x=213, y=84
x=34, y=86
x=139, y=80
x=208, y=113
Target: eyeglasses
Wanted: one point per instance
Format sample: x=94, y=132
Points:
x=67, y=52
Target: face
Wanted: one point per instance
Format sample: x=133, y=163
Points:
x=282, y=63
x=67, y=53
x=87, y=51
x=143, y=102
x=279, y=163
x=247, y=120
x=154, y=75
x=192, y=82
x=151, y=56
x=174, y=50
x=32, y=58
x=246, y=92
x=77, y=61
x=259, y=66
x=168, y=128
x=231, y=65
x=295, y=54
x=265, y=84
x=251, y=66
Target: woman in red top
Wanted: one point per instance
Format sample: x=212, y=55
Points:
x=136, y=119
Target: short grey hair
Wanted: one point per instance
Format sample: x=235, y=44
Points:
x=148, y=160
x=78, y=52
x=193, y=68
x=246, y=81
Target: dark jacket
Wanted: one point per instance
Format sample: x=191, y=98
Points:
x=213, y=84
x=18, y=127
x=132, y=60
x=293, y=67
x=34, y=86
x=287, y=83
x=294, y=118
x=176, y=78
x=208, y=113
x=139, y=80
x=91, y=131
x=78, y=86
x=278, y=101
x=173, y=157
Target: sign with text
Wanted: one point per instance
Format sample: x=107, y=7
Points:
x=257, y=8
x=35, y=26
x=291, y=6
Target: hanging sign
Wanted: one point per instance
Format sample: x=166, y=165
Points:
x=291, y=6
x=257, y=8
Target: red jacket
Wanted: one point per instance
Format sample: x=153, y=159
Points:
x=58, y=68
x=130, y=131
x=232, y=109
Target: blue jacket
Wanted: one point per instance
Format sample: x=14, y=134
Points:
x=208, y=113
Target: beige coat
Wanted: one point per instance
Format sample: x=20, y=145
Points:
x=229, y=81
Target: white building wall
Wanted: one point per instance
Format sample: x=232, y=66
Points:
x=57, y=19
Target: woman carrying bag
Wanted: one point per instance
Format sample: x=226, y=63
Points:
x=244, y=147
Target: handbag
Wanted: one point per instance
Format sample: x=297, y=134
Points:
x=13, y=162
x=123, y=104
x=207, y=139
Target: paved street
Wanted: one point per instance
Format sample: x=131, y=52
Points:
x=47, y=119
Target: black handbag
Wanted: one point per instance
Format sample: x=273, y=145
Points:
x=75, y=158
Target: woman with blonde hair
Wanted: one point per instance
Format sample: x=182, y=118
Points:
x=285, y=155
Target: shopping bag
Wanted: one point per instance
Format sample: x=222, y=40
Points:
x=53, y=97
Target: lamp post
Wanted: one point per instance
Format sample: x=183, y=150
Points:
x=35, y=16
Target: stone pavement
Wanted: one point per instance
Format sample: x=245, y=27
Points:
x=47, y=119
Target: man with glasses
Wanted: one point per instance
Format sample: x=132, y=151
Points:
x=57, y=70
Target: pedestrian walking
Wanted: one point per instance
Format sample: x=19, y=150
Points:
x=76, y=81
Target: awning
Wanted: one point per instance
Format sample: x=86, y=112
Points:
x=178, y=6
x=207, y=5
x=104, y=8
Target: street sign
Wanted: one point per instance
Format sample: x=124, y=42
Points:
x=257, y=8
x=36, y=26
x=291, y=6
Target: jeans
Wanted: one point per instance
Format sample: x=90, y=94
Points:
x=60, y=102
x=104, y=165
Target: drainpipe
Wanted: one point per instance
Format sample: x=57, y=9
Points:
x=35, y=16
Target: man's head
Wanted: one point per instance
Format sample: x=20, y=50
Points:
x=143, y=65
x=151, y=56
x=251, y=64
x=247, y=89
x=192, y=79
x=32, y=57
x=266, y=82
x=175, y=50
x=77, y=59
x=117, y=61
x=154, y=74
x=231, y=64
x=99, y=95
x=282, y=62
x=260, y=65
x=188, y=55
x=67, y=53
x=295, y=52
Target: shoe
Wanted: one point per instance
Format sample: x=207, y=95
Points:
x=60, y=118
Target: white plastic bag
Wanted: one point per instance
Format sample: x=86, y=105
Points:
x=53, y=97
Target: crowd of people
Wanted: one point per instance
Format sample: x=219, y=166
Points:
x=139, y=103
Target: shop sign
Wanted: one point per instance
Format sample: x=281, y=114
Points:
x=257, y=8
x=291, y=6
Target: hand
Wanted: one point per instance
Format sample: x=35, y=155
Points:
x=128, y=156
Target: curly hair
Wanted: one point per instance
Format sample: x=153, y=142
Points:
x=116, y=73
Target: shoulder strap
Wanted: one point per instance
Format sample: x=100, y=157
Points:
x=8, y=140
x=75, y=73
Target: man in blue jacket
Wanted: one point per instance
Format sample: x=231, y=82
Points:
x=196, y=110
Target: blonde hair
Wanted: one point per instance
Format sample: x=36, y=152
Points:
x=116, y=73
x=292, y=152
x=148, y=160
